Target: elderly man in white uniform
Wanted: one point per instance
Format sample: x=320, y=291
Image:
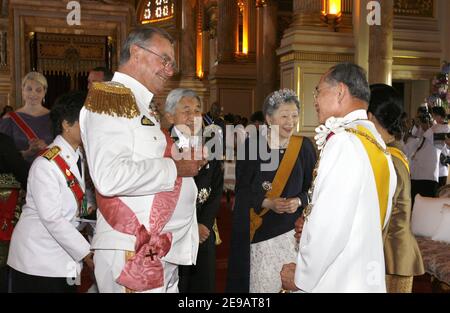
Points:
x=146, y=223
x=341, y=246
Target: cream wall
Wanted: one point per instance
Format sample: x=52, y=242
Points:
x=414, y=95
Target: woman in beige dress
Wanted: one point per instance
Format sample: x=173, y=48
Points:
x=402, y=255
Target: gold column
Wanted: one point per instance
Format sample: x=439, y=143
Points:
x=361, y=33
x=227, y=30
x=307, y=13
x=252, y=37
x=266, y=60
x=188, y=38
x=381, y=46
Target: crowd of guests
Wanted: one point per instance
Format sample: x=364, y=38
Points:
x=157, y=193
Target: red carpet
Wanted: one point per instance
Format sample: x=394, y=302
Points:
x=222, y=250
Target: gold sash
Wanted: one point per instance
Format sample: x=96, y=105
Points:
x=397, y=153
x=279, y=182
x=380, y=168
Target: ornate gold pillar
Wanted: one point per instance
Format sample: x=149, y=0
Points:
x=252, y=28
x=308, y=49
x=307, y=13
x=381, y=46
x=188, y=38
x=266, y=60
x=361, y=33
x=227, y=30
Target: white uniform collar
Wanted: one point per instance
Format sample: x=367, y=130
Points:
x=337, y=125
x=142, y=95
x=69, y=155
x=356, y=115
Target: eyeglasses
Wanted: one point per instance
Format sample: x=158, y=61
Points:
x=168, y=64
x=317, y=90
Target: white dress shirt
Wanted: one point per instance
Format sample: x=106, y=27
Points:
x=183, y=224
x=45, y=241
x=341, y=248
x=126, y=159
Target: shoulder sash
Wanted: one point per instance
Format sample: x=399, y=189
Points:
x=24, y=127
x=377, y=157
x=397, y=153
x=279, y=182
x=52, y=154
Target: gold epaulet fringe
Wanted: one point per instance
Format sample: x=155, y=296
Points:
x=112, y=98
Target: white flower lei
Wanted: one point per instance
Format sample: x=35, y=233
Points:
x=332, y=125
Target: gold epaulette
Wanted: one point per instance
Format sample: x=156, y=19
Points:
x=112, y=98
x=51, y=153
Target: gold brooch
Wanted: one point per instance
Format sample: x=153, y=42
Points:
x=267, y=186
x=203, y=195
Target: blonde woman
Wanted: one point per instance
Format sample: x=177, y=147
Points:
x=30, y=125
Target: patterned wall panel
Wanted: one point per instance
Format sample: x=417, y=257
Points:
x=418, y=8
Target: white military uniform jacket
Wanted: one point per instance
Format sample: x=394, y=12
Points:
x=341, y=248
x=45, y=241
x=425, y=163
x=126, y=159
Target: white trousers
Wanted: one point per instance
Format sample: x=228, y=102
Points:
x=109, y=265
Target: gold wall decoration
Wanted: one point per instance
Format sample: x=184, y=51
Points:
x=417, y=61
x=3, y=51
x=418, y=8
x=69, y=53
x=317, y=57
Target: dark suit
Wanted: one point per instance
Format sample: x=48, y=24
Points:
x=201, y=277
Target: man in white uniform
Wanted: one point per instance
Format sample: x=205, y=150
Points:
x=425, y=164
x=341, y=247
x=135, y=178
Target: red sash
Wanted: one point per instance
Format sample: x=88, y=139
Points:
x=8, y=208
x=144, y=271
x=52, y=154
x=29, y=133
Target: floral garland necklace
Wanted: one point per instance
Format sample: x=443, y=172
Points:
x=332, y=126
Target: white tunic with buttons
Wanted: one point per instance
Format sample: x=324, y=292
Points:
x=126, y=160
x=45, y=241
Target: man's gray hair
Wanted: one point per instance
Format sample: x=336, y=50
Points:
x=174, y=97
x=353, y=76
x=277, y=98
x=141, y=36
